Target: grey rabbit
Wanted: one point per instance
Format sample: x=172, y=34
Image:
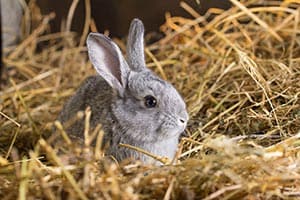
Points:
x=133, y=105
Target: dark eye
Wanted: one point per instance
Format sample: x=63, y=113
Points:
x=150, y=101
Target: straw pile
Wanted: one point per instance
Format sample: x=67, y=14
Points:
x=239, y=73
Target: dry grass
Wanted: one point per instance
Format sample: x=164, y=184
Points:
x=239, y=74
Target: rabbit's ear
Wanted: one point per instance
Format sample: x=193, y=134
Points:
x=135, y=46
x=108, y=61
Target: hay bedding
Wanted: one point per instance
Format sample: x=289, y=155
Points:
x=239, y=74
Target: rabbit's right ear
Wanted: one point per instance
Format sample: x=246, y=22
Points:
x=108, y=61
x=135, y=46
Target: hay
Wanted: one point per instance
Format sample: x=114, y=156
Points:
x=239, y=74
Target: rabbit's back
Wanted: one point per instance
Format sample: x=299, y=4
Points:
x=94, y=93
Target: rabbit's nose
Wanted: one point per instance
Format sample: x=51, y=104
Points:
x=183, y=118
x=182, y=121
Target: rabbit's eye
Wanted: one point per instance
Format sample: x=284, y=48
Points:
x=150, y=101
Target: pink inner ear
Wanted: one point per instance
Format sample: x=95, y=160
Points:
x=108, y=60
x=105, y=59
x=113, y=66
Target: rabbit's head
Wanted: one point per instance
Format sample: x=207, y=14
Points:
x=147, y=108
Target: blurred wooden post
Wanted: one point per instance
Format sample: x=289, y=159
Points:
x=1, y=47
x=11, y=16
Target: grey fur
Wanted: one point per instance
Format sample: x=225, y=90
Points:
x=116, y=98
x=136, y=57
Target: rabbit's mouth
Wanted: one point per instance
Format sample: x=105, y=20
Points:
x=173, y=125
x=170, y=132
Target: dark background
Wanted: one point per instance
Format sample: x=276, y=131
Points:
x=115, y=15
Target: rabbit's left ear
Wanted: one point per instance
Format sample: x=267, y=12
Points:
x=135, y=46
x=108, y=61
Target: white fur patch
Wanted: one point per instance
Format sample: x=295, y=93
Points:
x=164, y=148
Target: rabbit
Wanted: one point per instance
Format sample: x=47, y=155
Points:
x=133, y=105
